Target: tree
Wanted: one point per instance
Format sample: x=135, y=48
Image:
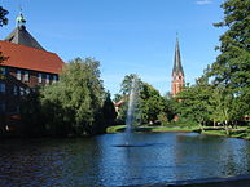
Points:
x=124, y=95
x=108, y=111
x=193, y=102
x=232, y=67
x=75, y=101
x=3, y=21
x=152, y=106
x=231, y=70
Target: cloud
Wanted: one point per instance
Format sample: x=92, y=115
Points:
x=203, y=2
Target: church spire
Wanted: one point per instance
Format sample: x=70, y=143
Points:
x=177, y=61
x=178, y=78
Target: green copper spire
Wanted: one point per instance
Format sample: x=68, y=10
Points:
x=20, y=20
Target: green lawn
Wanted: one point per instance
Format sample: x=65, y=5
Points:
x=185, y=129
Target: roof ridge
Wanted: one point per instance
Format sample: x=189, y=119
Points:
x=32, y=48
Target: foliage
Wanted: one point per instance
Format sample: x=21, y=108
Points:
x=151, y=106
x=221, y=94
x=108, y=111
x=75, y=102
x=32, y=118
x=3, y=21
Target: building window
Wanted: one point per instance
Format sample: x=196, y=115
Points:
x=27, y=91
x=19, y=75
x=54, y=78
x=2, y=88
x=2, y=73
x=47, y=79
x=2, y=107
x=26, y=78
x=21, y=90
x=15, y=90
x=40, y=78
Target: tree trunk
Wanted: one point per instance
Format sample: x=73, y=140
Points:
x=226, y=127
x=214, y=123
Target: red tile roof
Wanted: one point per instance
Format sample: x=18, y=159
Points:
x=30, y=58
x=118, y=104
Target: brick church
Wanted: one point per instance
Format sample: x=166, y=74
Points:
x=178, y=78
x=28, y=65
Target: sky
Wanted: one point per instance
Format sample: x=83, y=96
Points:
x=126, y=36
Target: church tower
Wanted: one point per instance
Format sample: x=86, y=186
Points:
x=178, y=78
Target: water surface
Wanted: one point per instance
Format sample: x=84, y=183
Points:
x=97, y=162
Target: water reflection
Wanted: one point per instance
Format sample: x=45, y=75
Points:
x=95, y=162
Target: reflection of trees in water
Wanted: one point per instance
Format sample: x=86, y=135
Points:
x=95, y=162
x=237, y=158
x=198, y=156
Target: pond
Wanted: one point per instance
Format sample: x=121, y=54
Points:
x=98, y=162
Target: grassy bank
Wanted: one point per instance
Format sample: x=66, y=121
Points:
x=154, y=129
x=233, y=133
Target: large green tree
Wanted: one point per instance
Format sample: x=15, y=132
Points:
x=231, y=70
x=75, y=102
x=108, y=111
x=192, y=102
x=232, y=67
x=152, y=107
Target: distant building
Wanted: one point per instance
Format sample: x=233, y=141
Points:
x=28, y=65
x=118, y=107
x=178, y=78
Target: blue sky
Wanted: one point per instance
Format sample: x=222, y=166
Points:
x=126, y=36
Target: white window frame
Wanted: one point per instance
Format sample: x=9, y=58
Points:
x=54, y=79
x=2, y=71
x=2, y=88
x=26, y=77
x=47, y=78
x=21, y=90
x=15, y=90
x=40, y=78
x=19, y=75
x=27, y=91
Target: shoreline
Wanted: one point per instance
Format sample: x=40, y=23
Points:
x=221, y=181
x=175, y=130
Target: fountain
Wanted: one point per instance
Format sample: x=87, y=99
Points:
x=131, y=119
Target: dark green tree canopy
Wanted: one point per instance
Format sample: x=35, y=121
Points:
x=3, y=19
